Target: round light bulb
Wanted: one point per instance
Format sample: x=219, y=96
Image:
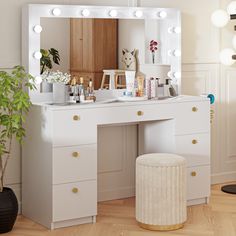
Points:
x=38, y=29
x=56, y=11
x=177, y=30
x=177, y=75
x=234, y=42
x=38, y=80
x=169, y=74
x=162, y=14
x=37, y=55
x=231, y=9
x=169, y=53
x=219, y=18
x=177, y=53
x=138, y=13
x=113, y=13
x=226, y=56
x=85, y=12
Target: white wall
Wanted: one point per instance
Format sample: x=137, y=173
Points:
x=201, y=69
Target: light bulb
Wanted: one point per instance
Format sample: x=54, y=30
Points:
x=37, y=55
x=85, y=12
x=219, y=18
x=38, y=29
x=226, y=57
x=177, y=30
x=138, y=13
x=177, y=75
x=231, y=9
x=177, y=53
x=56, y=12
x=169, y=74
x=113, y=13
x=38, y=80
x=170, y=53
x=234, y=42
x=162, y=14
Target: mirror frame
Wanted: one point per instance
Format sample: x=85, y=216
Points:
x=31, y=40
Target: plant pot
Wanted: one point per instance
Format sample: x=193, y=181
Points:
x=60, y=93
x=46, y=87
x=8, y=210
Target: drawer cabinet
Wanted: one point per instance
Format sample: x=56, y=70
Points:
x=198, y=182
x=77, y=163
x=195, y=148
x=74, y=200
x=192, y=118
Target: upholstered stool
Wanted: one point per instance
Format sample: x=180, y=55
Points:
x=161, y=191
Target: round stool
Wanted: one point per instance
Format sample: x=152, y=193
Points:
x=161, y=191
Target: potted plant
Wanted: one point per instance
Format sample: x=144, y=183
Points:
x=49, y=57
x=14, y=104
x=59, y=81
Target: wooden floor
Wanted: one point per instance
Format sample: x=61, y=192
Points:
x=117, y=218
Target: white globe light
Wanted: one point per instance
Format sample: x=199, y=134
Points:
x=37, y=55
x=138, y=13
x=220, y=18
x=226, y=57
x=56, y=12
x=170, y=53
x=38, y=80
x=234, y=41
x=231, y=9
x=177, y=75
x=169, y=74
x=113, y=13
x=38, y=29
x=177, y=53
x=85, y=12
x=162, y=14
x=177, y=30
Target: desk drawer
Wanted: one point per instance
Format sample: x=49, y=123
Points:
x=193, y=118
x=195, y=148
x=72, y=164
x=75, y=200
x=198, y=182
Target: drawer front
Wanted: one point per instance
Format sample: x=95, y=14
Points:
x=193, y=118
x=195, y=148
x=198, y=182
x=75, y=200
x=72, y=164
x=74, y=127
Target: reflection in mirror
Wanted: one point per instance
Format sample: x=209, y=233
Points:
x=99, y=49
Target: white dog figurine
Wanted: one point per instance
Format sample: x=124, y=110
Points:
x=128, y=60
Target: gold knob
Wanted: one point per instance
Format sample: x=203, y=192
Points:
x=76, y=117
x=193, y=173
x=75, y=154
x=75, y=190
x=140, y=113
x=194, y=141
x=194, y=109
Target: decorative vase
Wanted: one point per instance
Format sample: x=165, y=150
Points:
x=153, y=57
x=8, y=210
x=46, y=87
x=60, y=93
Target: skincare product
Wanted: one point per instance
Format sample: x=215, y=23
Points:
x=81, y=90
x=140, y=92
x=153, y=88
x=72, y=97
x=130, y=79
x=148, y=88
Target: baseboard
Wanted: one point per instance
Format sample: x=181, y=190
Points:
x=116, y=194
x=223, y=177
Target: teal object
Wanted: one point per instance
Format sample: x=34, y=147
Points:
x=211, y=97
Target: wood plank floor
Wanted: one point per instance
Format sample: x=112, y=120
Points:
x=117, y=218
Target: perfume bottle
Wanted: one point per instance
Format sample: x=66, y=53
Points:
x=72, y=93
x=81, y=90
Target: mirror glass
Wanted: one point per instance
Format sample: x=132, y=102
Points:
x=93, y=48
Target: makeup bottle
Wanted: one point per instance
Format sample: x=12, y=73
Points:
x=72, y=94
x=81, y=90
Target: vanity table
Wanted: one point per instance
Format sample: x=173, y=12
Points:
x=60, y=152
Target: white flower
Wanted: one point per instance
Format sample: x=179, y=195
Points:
x=54, y=77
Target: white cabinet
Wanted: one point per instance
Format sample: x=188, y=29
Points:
x=60, y=152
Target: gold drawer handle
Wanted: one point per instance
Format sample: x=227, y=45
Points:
x=140, y=113
x=75, y=190
x=76, y=117
x=193, y=173
x=194, y=141
x=75, y=154
x=194, y=109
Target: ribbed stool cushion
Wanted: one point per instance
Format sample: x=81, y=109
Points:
x=161, y=191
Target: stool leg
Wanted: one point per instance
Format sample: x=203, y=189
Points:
x=103, y=80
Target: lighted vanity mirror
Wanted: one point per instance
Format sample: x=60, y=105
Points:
x=91, y=39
